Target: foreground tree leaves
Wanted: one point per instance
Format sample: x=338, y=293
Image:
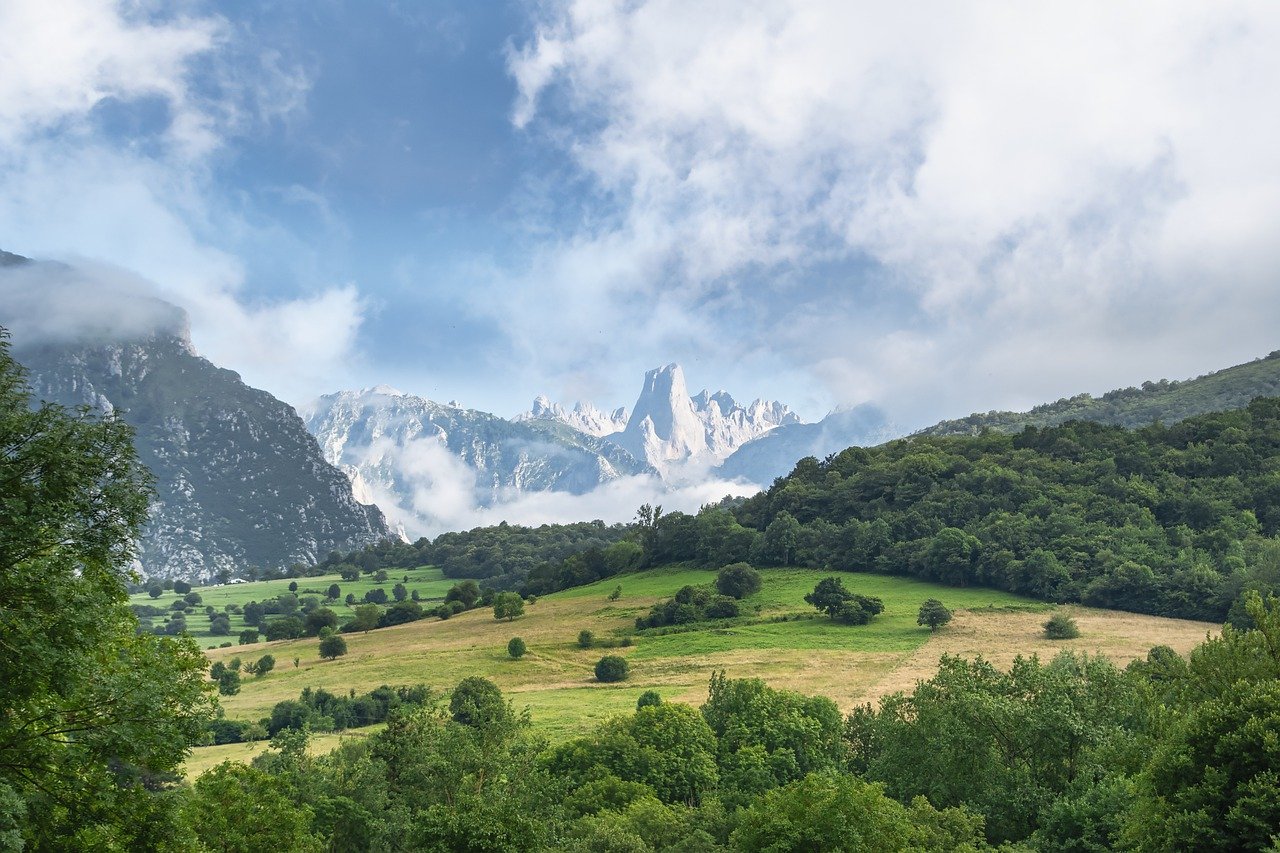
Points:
x=94, y=719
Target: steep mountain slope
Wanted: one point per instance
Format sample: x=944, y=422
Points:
x=773, y=455
x=1164, y=401
x=239, y=481
x=409, y=451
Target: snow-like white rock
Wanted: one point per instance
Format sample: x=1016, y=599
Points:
x=584, y=417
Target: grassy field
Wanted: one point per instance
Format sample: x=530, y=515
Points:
x=428, y=581
x=555, y=680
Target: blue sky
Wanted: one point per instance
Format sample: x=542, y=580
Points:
x=821, y=202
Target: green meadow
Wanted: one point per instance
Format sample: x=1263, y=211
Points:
x=781, y=640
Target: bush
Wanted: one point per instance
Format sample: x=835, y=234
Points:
x=220, y=625
x=399, y=592
x=265, y=664
x=612, y=668
x=586, y=639
x=376, y=596
x=181, y=587
x=229, y=682
x=738, y=581
x=516, y=648
x=1061, y=627
x=333, y=647
x=334, y=592
x=400, y=613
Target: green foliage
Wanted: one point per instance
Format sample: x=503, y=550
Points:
x=89, y=707
x=228, y=682
x=1061, y=627
x=849, y=608
x=508, y=605
x=477, y=702
x=264, y=665
x=1170, y=520
x=933, y=614
x=612, y=668
x=239, y=809
x=333, y=647
x=648, y=699
x=586, y=639
x=738, y=580
x=516, y=648
x=690, y=604
x=616, y=594
x=825, y=812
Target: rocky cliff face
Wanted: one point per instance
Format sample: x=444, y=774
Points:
x=773, y=455
x=239, y=480
x=668, y=428
x=584, y=417
x=410, y=453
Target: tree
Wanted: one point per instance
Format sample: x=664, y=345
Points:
x=333, y=647
x=248, y=636
x=477, y=702
x=376, y=596
x=612, y=668
x=586, y=639
x=516, y=648
x=380, y=576
x=467, y=592
x=738, y=580
x=1061, y=627
x=155, y=589
x=284, y=628
x=319, y=619
x=399, y=592
x=181, y=587
x=334, y=592
x=220, y=625
x=293, y=586
x=648, y=698
x=229, y=682
x=192, y=599
x=507, y=605
x=239, y=809
x=87, y=701
x=265, y=664
x=849, y=608
x=934, y=614
x=366, y=618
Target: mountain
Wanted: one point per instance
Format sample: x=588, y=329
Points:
x=411, y=453
x=667, y=427
x=1166, y=401
x=584, y=417
x=773, y=455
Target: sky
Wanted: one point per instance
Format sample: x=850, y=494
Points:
x=939, y=208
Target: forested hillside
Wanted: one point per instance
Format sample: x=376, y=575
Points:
x=1165, y=401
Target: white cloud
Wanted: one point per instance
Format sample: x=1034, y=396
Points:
x=149, y=202
x=1047, y=191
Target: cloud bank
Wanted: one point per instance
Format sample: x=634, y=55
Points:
x=974, y=204
x=113, y=118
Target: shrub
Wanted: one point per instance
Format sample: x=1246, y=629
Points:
x=586, y=639
x=181, y=587
x=399, y=592
x=616, y=594
x=284, y=628
x=265, y=664
x=380, y=576
x=1061, y=627
x=612, y=668
x=376, y=596
x=334, y=592
x=649, y=698
x=507, y=605
x=220, y=625
x=738, y=580
x=516, y=648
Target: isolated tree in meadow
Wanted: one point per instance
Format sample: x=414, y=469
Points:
x=293, y=586
x=265, y=664
x=516, y=648
x=850, y=608
x=349, y=573
x=586, y=639
x=220, y=625
x=155, y=589
x=366, y=618
x=612, y=668
x=934, y=614
x=399, y=592
x=334, y=592
x=333, y=647
x=738, y=580
x=508, y=605
x=380, y=576
x=181, y=587
x=229, y=682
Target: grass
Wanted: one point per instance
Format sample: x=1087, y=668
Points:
x=429, y=582
x=813, y=655
x=204, y=758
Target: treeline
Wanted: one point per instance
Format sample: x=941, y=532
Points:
x=1070, y=754
x=318, y=710
x=502, y=556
